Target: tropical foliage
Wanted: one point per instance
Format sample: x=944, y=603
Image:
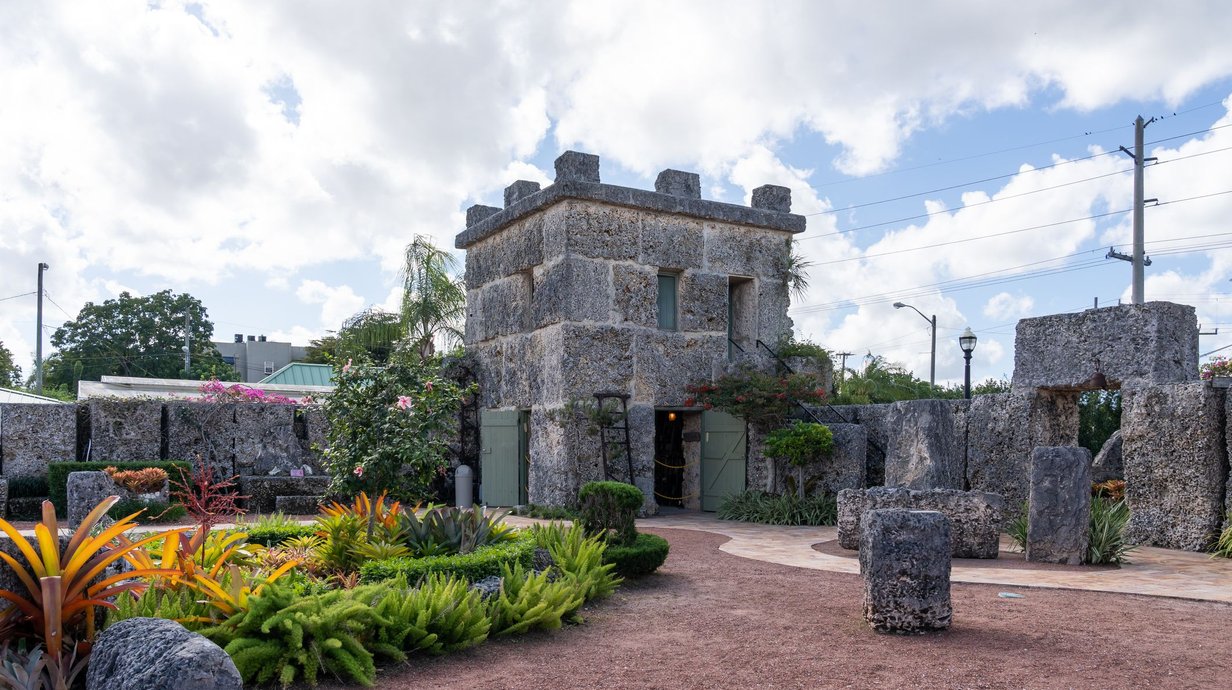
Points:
x=757, y=397
x=389, y=426
x=800, y=444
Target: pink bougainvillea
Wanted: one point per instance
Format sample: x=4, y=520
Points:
x=215, y=391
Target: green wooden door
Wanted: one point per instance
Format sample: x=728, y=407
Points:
x=500, y=446
x=723, y=450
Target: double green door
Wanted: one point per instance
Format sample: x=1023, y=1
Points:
x=724, y=440
x=504, y=456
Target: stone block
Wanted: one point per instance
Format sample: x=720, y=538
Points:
x=517, y=248
x=598, y=231
x=772, y=198
x=595, y=358
x=641, y=443
x=572, y=289
x=635, y=295
x=158, y=654
x=1002, y=430
x=203, y=432
x=561, y=452
x=479, y=212
x=263, y=492
x=298, y=505
x=577, y=166
x=926, y=447
x=4, y=496
x=975, y=516
x=844, y=469
x=703, y=302
x=773, y=300
x=1108, y=462
x=679, y=183
x=734, y=250
x=1175, y=462
x=1059, y=516
x=666, y=362
x=85, y=490
x=267, y=441
x=34, y=435
x=518, y=191
x=520, y=378
x=316, y=430
x=489, y=370
x=905, y=563
x=1136, y=344
x=125, y=430
x=505, y=306
x=672, y=242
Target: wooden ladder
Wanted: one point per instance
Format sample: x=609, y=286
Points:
x=611, y=434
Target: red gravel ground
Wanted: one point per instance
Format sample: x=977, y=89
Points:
x=712, y=620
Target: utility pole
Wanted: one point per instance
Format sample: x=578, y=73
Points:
x=1139, y=255
x=38, y=336
x=842, y=370
x=187, y=344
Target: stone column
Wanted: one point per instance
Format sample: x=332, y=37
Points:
x=905, y=562
x=1059, y=518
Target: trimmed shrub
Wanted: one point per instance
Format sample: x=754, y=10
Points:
x=155, y=511
x=485, y=561
x=28, y=487
x=274, y=535
x=609, y=508
x=642, y=557
x=57, y=475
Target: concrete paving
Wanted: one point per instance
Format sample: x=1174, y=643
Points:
x=1151, y=572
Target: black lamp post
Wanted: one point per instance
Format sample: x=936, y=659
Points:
x=967, y=342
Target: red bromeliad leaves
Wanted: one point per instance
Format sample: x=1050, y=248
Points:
x=209, y=502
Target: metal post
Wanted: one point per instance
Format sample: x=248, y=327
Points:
x=187, y=344
x=932, y=366
x=463, y=486
x=967, y=376
x=1139, y=232
x=38, y=335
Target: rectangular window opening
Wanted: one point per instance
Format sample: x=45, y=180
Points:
x=668, y=287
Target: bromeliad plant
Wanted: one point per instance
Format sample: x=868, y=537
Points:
x=65, y=585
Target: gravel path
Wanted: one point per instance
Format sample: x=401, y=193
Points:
x=712, y=620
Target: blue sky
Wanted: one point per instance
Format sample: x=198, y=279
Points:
x=272, y=159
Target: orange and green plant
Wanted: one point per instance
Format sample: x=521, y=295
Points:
x=142, y=481
x=65, y=585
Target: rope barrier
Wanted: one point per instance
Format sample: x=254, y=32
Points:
x=675, y=498
x=674, y=467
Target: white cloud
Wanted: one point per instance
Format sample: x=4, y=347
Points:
x=1003, y=305
x=337, y=302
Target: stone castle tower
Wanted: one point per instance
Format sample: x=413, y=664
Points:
x=584, y=287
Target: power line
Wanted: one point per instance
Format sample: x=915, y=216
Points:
x=24, y=294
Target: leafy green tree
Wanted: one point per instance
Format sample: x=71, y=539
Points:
x=800, y=444
x=10, y=373
x=134, y=336
x=1099, y=416
x=881, y=381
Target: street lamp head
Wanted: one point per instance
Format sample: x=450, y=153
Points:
x=967, y=341
x=44, y=266
x=899, y=305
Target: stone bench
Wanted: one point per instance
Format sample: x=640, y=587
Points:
x=975, y=516
x=263, y=492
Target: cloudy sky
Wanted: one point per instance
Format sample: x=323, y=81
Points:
x=273, y=158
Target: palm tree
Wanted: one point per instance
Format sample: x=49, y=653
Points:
x=433, y=301
x=797, y=272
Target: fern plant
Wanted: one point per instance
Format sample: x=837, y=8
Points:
x=578, y=558
x=288, y=638
x=179, y=605
x=532, y=601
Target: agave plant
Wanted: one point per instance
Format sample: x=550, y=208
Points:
x=458, y=530
x=61, y=590
x=38, y=671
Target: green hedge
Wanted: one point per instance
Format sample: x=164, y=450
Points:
x=57, y=475
x=642, y=557
x=273, y=536
x=476, y=565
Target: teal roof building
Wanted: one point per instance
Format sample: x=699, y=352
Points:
x=302, y=374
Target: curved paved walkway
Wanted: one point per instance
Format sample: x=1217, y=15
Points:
x=1152, y=572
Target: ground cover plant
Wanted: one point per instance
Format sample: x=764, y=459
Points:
x=1109, y=518
x=779, y=509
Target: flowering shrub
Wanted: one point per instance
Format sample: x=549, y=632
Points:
x=141, y=481
x=214, y=391
x=390, y=426
x=1218, y=366
x=762, y=399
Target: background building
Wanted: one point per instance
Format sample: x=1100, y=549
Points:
x=255, y=357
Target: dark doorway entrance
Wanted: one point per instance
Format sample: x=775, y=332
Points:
x=669, y=458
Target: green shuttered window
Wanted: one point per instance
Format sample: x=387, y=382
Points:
x=667, y=301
